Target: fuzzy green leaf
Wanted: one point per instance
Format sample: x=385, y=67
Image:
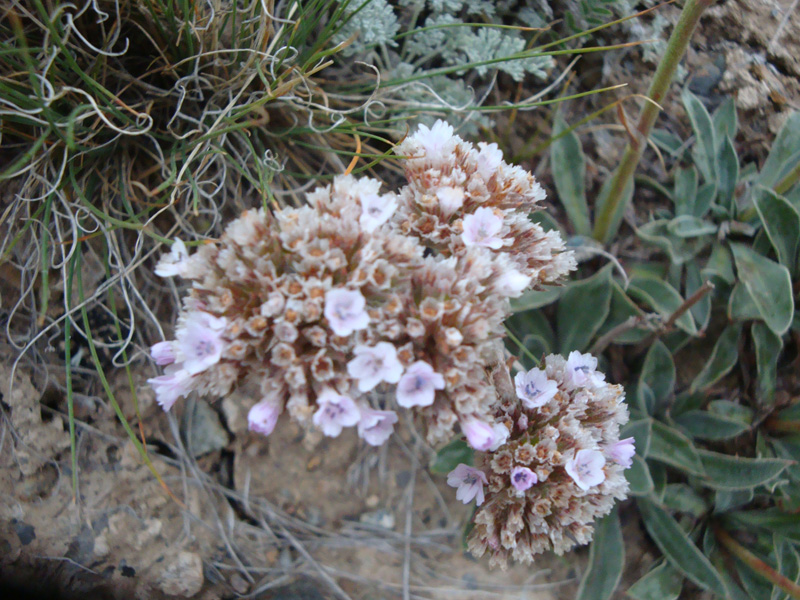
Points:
x=768, y=348
x=727, y=174
x=689, y=226
x=582, y=309
x=701, y=311
x=725, y=120
x=569, y=174
x=638, y=476
x=680, y=250
x=782, y=223
x=606, y=560
x=723, y=359
x=741, y=306
x=769, y=284
x=658, y=371
x=664, y=582
x=726, y=472
x=719, y=265
x=671, y=447
x=770, y=519
x=533, y=299
x=450, y=456
x=682, y=498
x=621, y=309
x=784, y=154
x=705, y=426
x=685, y=191
x=705, y=148
x=678, y=548
x=661, y=297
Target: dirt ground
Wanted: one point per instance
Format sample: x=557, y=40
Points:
x=237, y=515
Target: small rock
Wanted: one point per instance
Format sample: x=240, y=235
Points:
x=183, y=576
x=372, y=501
x=202, y=429
x=239, y=584
x=378, y=518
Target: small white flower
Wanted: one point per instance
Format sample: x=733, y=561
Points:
x=490, y=158
x=345, y=311
x=376, y=210
x=374, y=364
x=435, y=139
x=199, y=341
x=163, y=353
x=522, y=478
x=581, y=370
x=335, y=411
x=586, y=468
x=175, y=382
x=450, y=199
x=263, y=417
x=622, y=452
x=418, y=386
x=481, y=229
x=534, y=388
x=512, y=283
x=174, y=263
x=376, y=426
x=469, y=481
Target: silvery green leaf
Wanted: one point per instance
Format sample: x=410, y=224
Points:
x=535, y=299
x=784, y=154
x=664, y=582
x=741, y=306
x=679, y=249
x=781, y=221
x=682, y=498
x=582, y=309
x=769, y=285
x=658, y=371
x=723, y=358
x=703, y=425
x=638, y=476
x=689, y=226
x=725, y=119
x=606, y=560
x=685, y=191
x=701, y=311
x=726, y=472
x=727, y=175
x=450, y=456
x=569, y=175
x=621, y=309
x=768, y=348
x=719, y=265
x=662, y=298
x=705, y=147
x=671, y=447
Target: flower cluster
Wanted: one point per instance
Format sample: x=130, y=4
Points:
x=561, y=468
x=364, y=301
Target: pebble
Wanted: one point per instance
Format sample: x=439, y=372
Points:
x=183, y=576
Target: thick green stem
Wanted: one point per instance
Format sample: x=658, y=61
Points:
x=612, y=207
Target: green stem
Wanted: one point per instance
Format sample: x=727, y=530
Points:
x=613, y=205
x=756, y=564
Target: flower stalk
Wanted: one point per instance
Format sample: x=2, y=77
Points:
x=612, y=204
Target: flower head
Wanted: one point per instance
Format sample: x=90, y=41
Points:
x=176, y=382
x=263, y=417
x=581, y=370
x=199, y=342
x=163, y=353
x=534, y=388
x=522, y=478
x=481, y=229
x=622, y=452
x=335, y=412
x=376, y=210
x=374, y=364
x=469, y=481
x=450, y=199
x=417, y=387
x=586, y=468
x=376, y=426
x=174, y=263
x=345, y=311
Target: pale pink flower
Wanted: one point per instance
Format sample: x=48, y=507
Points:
x=418, y=386
x=512, y=283
x=581, y=370
x=376, y=210
x=500, y=434
x=522, y=422
x=586, y=468
x=345, y=311
x=335, y=411
x=376, y=426
x=534, y=388
x=374, y=364
x=163, y=353
x=174, y=263
x=481, y=229
x=199, y=341
x=175, y=382
x=469, y=481
x=490, y=157
x=522, y=478
x=622, y=452
x=435, y=139
x=480, y=434
x=263, y=417
x=450, y=199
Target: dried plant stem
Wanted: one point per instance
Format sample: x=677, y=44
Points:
x=755, y=563
x=620, y=188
